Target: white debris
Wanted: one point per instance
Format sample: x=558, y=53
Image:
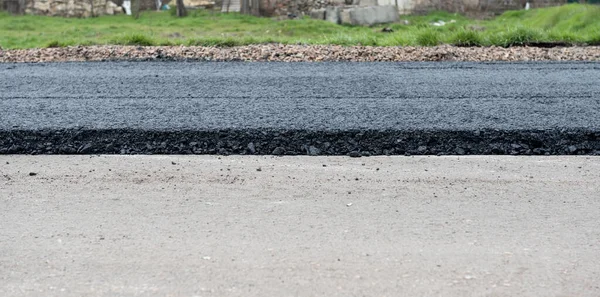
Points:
x=127, y=6
x=442, y=23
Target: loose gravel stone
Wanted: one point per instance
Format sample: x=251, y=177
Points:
x=572, y=149
x=355, y=154
x=278, y=151
x=300, y=53
x=251, y=148
x=313, y=151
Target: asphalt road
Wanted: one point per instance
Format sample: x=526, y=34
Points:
x=307, y=97
x=299, y=226
x=179, y=95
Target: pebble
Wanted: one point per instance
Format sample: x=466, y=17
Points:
x=278, y=151
x=355, y=154
x=302, y=53
x=251, y=148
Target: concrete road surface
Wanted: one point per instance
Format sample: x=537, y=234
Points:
x=299, y=226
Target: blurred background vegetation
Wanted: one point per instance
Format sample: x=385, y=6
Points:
x=572, y=24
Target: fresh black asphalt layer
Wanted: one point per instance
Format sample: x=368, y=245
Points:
x=300, y=108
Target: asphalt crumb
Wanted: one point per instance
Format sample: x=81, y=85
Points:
x=301, y=142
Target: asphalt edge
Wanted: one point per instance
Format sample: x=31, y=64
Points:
x=354, y=143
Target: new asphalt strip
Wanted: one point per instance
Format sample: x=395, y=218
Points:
x=340, y=108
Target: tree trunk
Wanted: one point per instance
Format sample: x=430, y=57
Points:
x=181, y=12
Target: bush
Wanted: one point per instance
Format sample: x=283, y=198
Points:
x=466, y=38
x=428, y=38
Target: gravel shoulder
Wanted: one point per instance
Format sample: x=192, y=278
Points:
x=302, y=53
x=299, y=226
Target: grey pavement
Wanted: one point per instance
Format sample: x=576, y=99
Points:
x=299, y=226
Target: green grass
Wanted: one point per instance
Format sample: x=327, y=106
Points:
x=520, y=37
x=134, y=39
x=572, y=24
x=428, y=37
x=466, y=38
